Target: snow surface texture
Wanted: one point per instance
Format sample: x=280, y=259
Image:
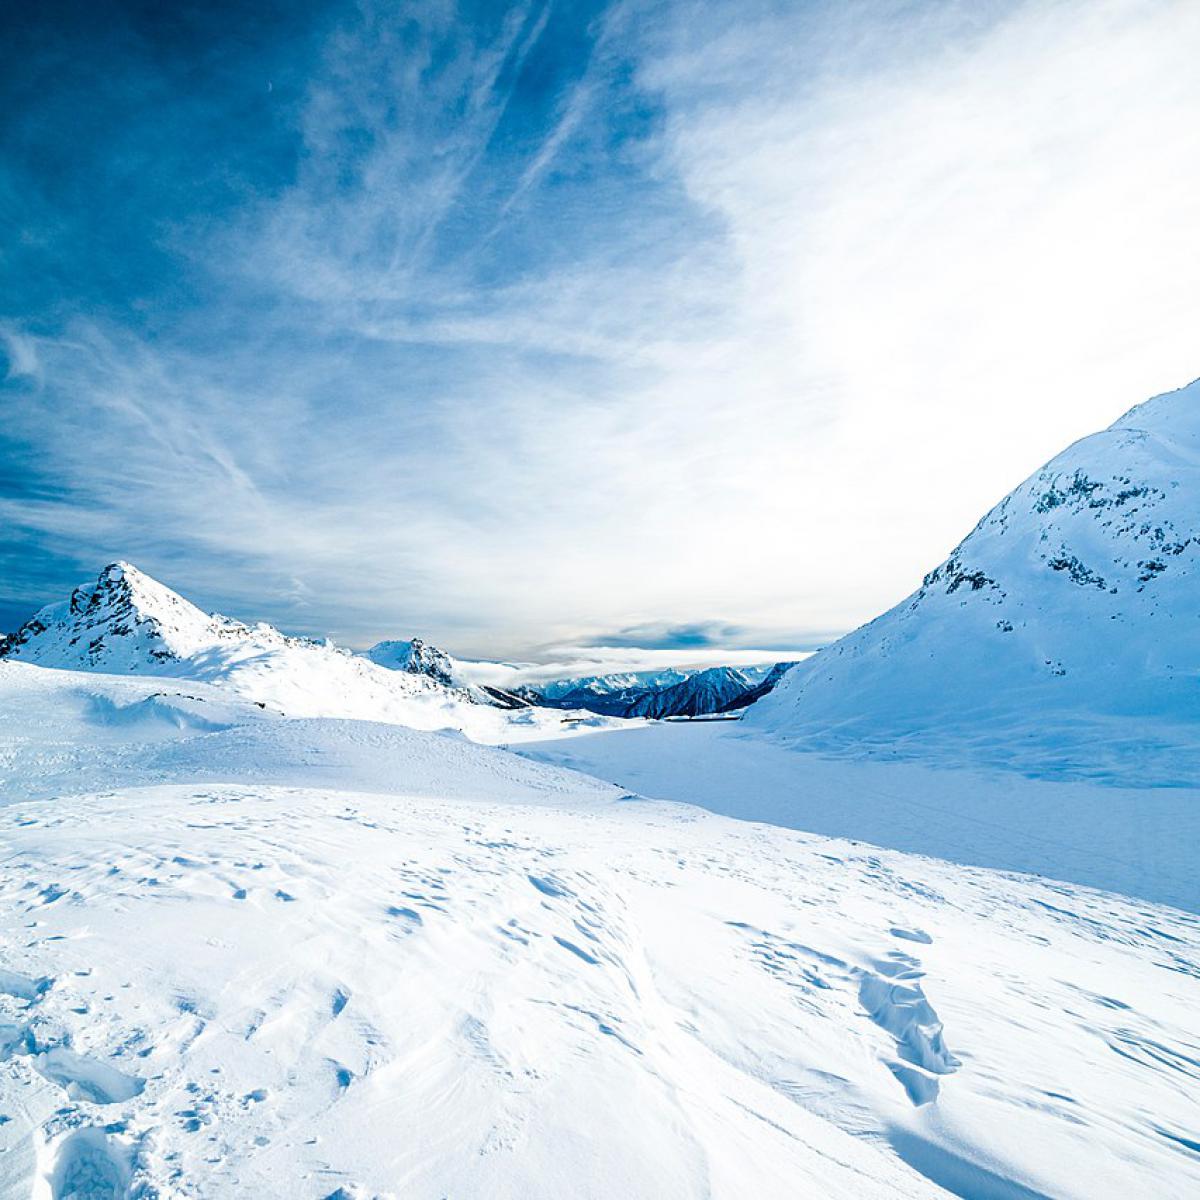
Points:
x=125, y=621
x=435, y=969
x=1062, y=637
x=1136, y=840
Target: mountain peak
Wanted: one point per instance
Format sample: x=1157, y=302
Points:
x=417, y=657
x=121, y=619
x=1067, y=612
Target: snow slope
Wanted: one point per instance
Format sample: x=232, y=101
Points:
x=1135, y=840
x=1062, y=636
x=434, y=969
x=125, y=621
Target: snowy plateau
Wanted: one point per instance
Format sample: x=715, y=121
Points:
x=281, y=920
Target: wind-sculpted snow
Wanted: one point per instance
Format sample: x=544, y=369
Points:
x=247, y=956
x=1061, y=637
x=68, y=732
x=244, y=991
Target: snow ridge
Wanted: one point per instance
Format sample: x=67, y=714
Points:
x=124, y=622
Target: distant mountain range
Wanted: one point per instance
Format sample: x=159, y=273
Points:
x=674, y=693
x=668, y=692
x=126, y=622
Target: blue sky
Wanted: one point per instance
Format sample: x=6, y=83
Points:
x=530, y=325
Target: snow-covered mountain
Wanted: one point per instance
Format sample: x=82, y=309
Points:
x=1066, y=625
x=710, y=691
x=612, y=684
x=682, y=691
x=418, y=657
x=125, y=622
x=768, y=683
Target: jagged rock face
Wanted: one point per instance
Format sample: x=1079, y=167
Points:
x=125, y=621
x=120, y=621
x=756, y=693
x=705, y=692
x=417, y=657
x=1078, y=593
x=673, y=693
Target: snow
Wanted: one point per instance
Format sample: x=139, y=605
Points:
x=1061, y=638
x=1135, y=840
x=274, y=921
x=708, y=691
x=605, y=669
x=126, y=622
x=250, y=955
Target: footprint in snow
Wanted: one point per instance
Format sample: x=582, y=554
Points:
x=893, y=998
x=87, y=1165
x=912, y=935
x=548, y=885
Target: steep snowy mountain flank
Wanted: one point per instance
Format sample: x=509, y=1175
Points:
x=126, y=622
x=246, y=956
x=1062, y=636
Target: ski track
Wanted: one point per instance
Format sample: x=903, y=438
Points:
x=253, y=991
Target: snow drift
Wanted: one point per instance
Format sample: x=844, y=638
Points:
x=248, y=956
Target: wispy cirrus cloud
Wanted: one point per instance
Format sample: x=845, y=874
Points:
x=519, y=324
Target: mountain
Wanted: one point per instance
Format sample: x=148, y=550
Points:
x=768, y=684
x=418, y=657
x=1062, y=634
x=672, y=692
x=709, y=691
x=612, y=684
x=125, y=622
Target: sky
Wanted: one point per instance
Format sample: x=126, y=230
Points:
x=663, y=325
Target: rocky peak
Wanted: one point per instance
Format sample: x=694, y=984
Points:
x=417, y=657
x=122, y=619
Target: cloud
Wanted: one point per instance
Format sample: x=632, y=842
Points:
x=686, y=321
x=20, y=355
